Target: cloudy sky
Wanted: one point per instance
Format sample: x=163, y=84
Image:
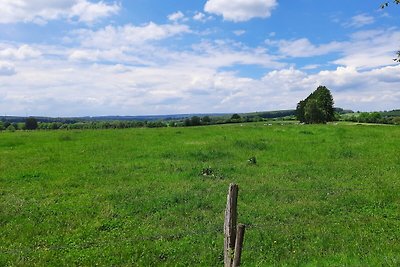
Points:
x=137, y=57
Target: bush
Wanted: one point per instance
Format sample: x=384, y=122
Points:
x=236, y=117
x=31, y=123
x=396, y=120
x=195, y=120
x=11, y=128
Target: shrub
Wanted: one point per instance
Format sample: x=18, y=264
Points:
x=11, y=128
x=31, y=123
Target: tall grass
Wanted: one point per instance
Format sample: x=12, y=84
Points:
x=317, y=196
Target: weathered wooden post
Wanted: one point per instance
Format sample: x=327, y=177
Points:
x=230, y=225
x=238, y=244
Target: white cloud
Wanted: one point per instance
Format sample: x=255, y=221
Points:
x=221, y=53
x=304, y=48
x=177, y=16
x=20, y=53
x=40, y=11
x=239, y=32
x=311, y=67
x=111, y=36
x=361, y=90
x=169, y=82
x=199, y=16
x=369, y=49
x=7, y=69
x=90, y=12
x=54, y=86
x=129, y=70
x=359, y=21
x=364, y=49
x=241, y=10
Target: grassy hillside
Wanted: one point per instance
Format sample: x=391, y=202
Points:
x=323, y=195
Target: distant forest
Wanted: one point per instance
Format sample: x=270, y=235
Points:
x=12, y=123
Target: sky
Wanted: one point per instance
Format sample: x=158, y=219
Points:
x=147, y=57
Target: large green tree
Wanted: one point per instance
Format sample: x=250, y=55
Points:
x=317, y=107
x=325, y=102
x=313, y=112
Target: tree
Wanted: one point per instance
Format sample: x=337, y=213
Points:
x=325, y=102
x=317, y=107
x=195, y=120
x=16, y=126
x=236, y=118
x=300, y=110
x=387, y=3
x=206, y=120
x=313, y=113
x=187, y=122
x=31, y=123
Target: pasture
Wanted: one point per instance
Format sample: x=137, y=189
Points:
x=318, y=195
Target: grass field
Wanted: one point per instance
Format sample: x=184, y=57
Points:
x=325, y=195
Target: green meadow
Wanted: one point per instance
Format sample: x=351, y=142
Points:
x=318, y=195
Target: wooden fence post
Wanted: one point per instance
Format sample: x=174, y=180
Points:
x=230, y=225
x=238, y=245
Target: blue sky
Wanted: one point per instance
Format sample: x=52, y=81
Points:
x=89, y=57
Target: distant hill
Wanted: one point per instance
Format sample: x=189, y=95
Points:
x=261, y=114
x=112, y=118
x=392, y=113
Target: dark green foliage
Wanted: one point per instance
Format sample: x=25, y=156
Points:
x=392, y=113
x=368, y=117
x=300, y=111
x=236, y=117
x=11, y=128
x=396, y=120
x=31, y=123
x=195, y=121
x=317, y=107
x=313, y=113
x=385, y=117
x=206, y=120
x=325, y=102
x=16, y=126
x=187, y=122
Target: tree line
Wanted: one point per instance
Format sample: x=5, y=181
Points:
x=372, y=117
x=32, y=123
